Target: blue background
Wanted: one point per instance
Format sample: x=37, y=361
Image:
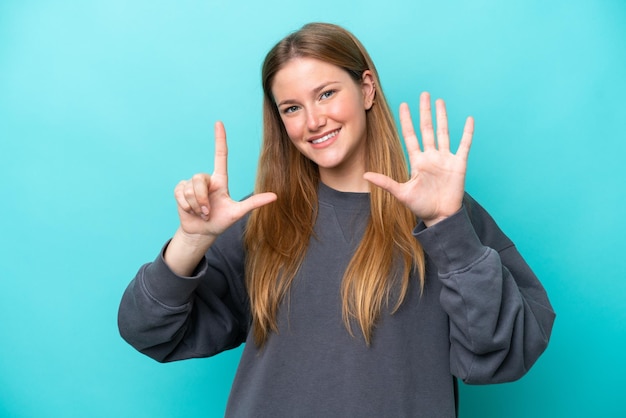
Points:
x=106, y=105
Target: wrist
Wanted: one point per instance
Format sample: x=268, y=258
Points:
x=436, y=219
x=431, y=222
x=193, y=242
x=185, y=251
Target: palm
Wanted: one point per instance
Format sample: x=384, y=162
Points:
x=435, y=189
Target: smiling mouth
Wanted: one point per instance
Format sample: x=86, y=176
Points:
x=325, y=137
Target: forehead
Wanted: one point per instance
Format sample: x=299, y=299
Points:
x=304, y=75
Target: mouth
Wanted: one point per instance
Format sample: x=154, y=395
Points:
x=325, y=137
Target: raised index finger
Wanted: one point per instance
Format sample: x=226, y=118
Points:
x=221, y=150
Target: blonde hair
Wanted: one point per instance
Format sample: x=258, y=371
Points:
x=277, y=235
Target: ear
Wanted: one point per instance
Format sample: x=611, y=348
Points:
x=368, y=86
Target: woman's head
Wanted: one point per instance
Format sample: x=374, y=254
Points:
x=331, y=45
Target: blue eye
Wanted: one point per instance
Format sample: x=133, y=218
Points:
x=327, y=94
x=290, y=109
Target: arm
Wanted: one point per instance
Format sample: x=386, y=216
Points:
x=500, y=315
x=169, y=317
x=190, y=301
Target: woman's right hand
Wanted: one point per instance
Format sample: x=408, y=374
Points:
x=204, y=204
x=206, y=209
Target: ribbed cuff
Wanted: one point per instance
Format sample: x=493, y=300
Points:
x=167, y=287
x=452, y=244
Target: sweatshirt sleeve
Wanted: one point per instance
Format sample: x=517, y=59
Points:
x=500, y=315
x=168, y=317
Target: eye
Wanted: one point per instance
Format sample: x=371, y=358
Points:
x=290, y=109
x=327, y=94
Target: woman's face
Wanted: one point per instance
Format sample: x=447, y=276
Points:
x=323, y=110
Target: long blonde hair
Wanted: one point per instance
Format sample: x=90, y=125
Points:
x=278, y=234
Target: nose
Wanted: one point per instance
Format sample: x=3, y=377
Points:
x=315, y=119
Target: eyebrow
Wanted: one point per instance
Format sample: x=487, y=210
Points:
x=316, y=91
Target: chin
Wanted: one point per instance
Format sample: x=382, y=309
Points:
x=327, y=165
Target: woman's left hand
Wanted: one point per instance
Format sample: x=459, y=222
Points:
x=437, y=184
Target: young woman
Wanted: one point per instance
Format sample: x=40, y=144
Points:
x=360, y=287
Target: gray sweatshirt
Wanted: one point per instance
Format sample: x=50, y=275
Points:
x=483, y=317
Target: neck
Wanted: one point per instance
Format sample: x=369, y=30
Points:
x=352, y=182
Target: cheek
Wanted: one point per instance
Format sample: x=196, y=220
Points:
x=294, y=127
x=347, y=110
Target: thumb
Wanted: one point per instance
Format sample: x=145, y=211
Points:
x=256, y=201
x=382, y=181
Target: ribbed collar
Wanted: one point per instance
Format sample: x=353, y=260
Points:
x=343, y=200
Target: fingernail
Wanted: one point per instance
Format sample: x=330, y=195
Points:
x=205, y=210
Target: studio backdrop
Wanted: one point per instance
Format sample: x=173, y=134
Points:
x=106, y=105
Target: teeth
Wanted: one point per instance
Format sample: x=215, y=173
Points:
x=325, y=138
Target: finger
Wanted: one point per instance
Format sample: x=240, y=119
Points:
x=466, y=139
x=426, y=122
x=443, y=136
x=256, y=201
x=197, y=194
x=384, y=182
x=179, y=195
x=408, y=132
x=221, y=150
